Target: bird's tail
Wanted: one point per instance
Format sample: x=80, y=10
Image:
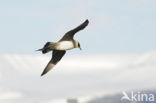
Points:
x=39, y=50
x=44, y=50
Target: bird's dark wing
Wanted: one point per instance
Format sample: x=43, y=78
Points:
x=70, y=34
x=57, y=55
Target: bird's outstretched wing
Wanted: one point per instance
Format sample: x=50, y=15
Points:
x=56, y=57
x=70, y=34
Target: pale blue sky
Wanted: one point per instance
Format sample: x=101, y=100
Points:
x=116, y=26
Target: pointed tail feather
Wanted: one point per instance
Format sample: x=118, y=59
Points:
x=39, y=50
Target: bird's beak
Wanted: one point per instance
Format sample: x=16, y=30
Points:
x=39, y=50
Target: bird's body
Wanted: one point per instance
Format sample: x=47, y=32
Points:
x=65, y=45
x=59, y=48
x=62, y=45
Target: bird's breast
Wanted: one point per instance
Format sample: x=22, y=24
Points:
x=65, y=45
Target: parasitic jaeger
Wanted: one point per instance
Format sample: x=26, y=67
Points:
x=59, y=48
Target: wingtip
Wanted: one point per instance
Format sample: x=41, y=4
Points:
x=87, y=20
x=42, y=74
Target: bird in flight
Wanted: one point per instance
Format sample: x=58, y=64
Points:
x=59, y=48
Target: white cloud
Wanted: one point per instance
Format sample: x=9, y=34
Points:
x=77, y=71
x=68, y=63
x=10, y=95
x=7, y=94
x=56, y=101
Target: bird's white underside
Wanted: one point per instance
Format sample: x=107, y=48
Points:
x=65, y=45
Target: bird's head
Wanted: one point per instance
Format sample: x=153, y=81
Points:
x=78, y=45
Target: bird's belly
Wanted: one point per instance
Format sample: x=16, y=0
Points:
x=65, y=45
